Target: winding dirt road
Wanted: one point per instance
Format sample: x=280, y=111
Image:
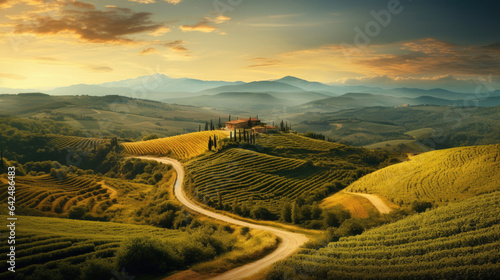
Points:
x=376, y=201
x=290, y=241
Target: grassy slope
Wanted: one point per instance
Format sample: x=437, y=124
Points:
x=109, y=114
x=282, y=166
x=458, y=241
x=437, y=176
x=42, y=240
x=180, y=147
x=358, y=206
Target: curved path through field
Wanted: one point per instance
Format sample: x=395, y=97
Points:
x=290, y=241
x=376, y=201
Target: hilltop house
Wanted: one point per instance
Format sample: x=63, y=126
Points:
x=242, y=123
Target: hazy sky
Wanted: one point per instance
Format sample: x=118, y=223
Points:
x=57, y=43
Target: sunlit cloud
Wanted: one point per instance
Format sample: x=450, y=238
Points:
x=220, y=19
x=174, y=2
x=12, y=76
x=83, y=21
x=177, y=46
x=264, y=62
x=97, y=68
x=148, y=51
x=202, y=26
x=160, y=31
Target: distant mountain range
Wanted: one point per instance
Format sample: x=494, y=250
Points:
x=288, y=91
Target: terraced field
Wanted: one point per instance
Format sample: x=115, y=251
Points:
x=46, y=194
x=438, y=176
x=288, y=142
x=77, y=143
x=179, y=147
x=49, y=241
x=458, y=241
x=240, y=174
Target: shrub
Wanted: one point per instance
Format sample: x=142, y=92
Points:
x=97, y=269
x=77, y=212
x=420, y=206
x=144, y=253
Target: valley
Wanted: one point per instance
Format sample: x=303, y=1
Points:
x=311, y=191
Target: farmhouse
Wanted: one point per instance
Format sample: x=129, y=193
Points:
x=242, y=123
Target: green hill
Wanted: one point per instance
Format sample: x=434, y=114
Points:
x=437, y=176
x=280, y=169
x=458, y=241
x=49, y=241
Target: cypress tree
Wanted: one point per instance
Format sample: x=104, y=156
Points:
x=286, y=213
x=229, y=119
x=215, y=142
x=219, y=198
x=209, y=143
x=295, y=213
x=206, y=126
x=211, y=125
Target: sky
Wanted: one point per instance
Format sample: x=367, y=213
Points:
x=52, y=43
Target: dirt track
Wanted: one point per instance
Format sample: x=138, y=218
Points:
x=290, y=241
x=376, y=201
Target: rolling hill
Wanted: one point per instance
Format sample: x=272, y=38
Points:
x=249, y=101
x=179, y=147
x=259, y=86
x=458, y=241
x=307, y=85
x=50, y=241
x=438, y=176
x=108, y=115
x=279, y=169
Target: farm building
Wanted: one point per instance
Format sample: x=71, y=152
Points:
x=243, y=123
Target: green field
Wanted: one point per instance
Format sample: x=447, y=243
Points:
x=436, y=127
x=458, y=241
x=439, y=176
x=279, y=169
x=49, y=241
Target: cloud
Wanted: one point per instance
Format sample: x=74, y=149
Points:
x=148, y=51
x=220, y=19
x=201, y=26
x=115, y=25
x=177, y=46
x=174, y=2
x=12, y=76
x=432, y=57
x=97, y=68
x=81, y=5
x=264, y=62
x=143, y=1
x=4, y=3
x=160, y=31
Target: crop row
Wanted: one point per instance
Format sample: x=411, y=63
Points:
x=438, y=176
x=239, y=174
x=181, y=147
x=77, y=143
x=46, y=194
x=459, y=238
